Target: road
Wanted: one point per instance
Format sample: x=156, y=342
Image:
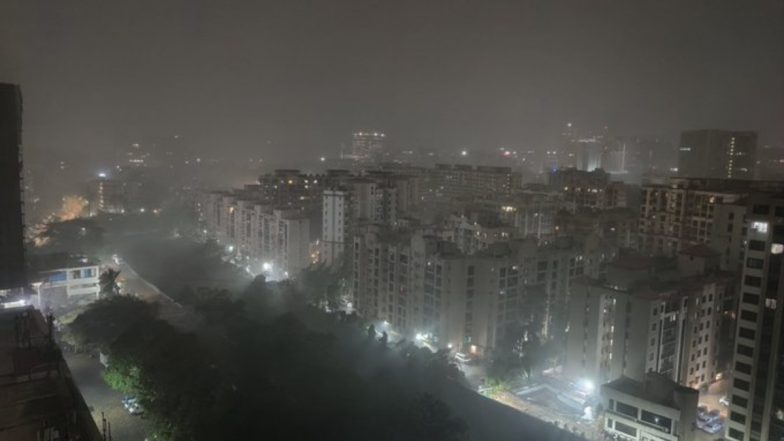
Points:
x=711, y=398
x=86, y=372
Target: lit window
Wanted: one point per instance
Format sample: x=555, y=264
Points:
x=776, y=248
x=759, y=227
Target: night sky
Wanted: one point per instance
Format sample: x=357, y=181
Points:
x=231, y=76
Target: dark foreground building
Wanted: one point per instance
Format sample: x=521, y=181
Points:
x=756, y=410
x=12, y=267
x=38, y=397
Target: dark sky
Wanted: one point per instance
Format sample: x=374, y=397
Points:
x=433, y=73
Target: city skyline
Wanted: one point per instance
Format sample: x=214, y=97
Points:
x=242, y=79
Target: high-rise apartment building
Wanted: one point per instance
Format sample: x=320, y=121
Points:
x=367, y=145
x=757, y=392
x=717, y=154
x=376, y=198
x=12, y=261
x=422, y=284
x=450, y=181
x=634, y=321
x=588, y=189
x=677, y=213
x=273, y=239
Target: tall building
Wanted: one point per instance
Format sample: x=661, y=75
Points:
x=268, y=226
x=422, y=284
x=367, y=145
x=588, y=189
x=376, y=198
x=107, y=195
x=451, y=181
x=39, y=398
x=12, y=262
x=677, y=213
x=757, y=391
x=719, y=154
x=636, y=321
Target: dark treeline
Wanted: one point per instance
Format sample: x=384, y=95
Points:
x=254, y=371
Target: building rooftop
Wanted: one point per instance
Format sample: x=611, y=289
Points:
x=700, y=250
x=656, y=388
x=55, y=261
x=633, y=262
x=37, y=393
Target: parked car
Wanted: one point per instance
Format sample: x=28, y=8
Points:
x=702, y=412
x=132, y=405
x=713, y=415
x=462, y=358
x=714, y=427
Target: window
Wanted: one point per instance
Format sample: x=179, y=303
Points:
x=760, y=209
x=746, y=333
x=750, y=298
x=757, y=245
x=656, y=420
x=738, y=418
x=745, y=350
x=755, y=263
x=759, y=227
x=739, y=401
x=623, y=428
x=752, y=281
x=743, y=367
x=626, y=409
x=736, y=434
x=741, y=384
x=776, y=248
x=748, y=315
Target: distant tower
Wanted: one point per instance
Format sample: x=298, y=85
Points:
x=367, y=146
x=12, y=262
x=719, y=154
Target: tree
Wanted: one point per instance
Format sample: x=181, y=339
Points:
x=430, y=419
x=108, y=282
x=106, y=319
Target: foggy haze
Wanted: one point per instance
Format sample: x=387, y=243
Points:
x=272, y=79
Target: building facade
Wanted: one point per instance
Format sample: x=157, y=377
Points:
x=652, y=409
x=634, y=322
x=12, y=260
x=422, y=284
x=717, y=154
x=680, y=212
x=757, y=393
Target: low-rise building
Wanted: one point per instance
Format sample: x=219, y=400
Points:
x=60, y=277
x=654, y=408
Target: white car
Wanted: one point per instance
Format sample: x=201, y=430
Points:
x=714, y=427
x=462, y=358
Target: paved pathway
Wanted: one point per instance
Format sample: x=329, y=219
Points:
x=100, y=397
